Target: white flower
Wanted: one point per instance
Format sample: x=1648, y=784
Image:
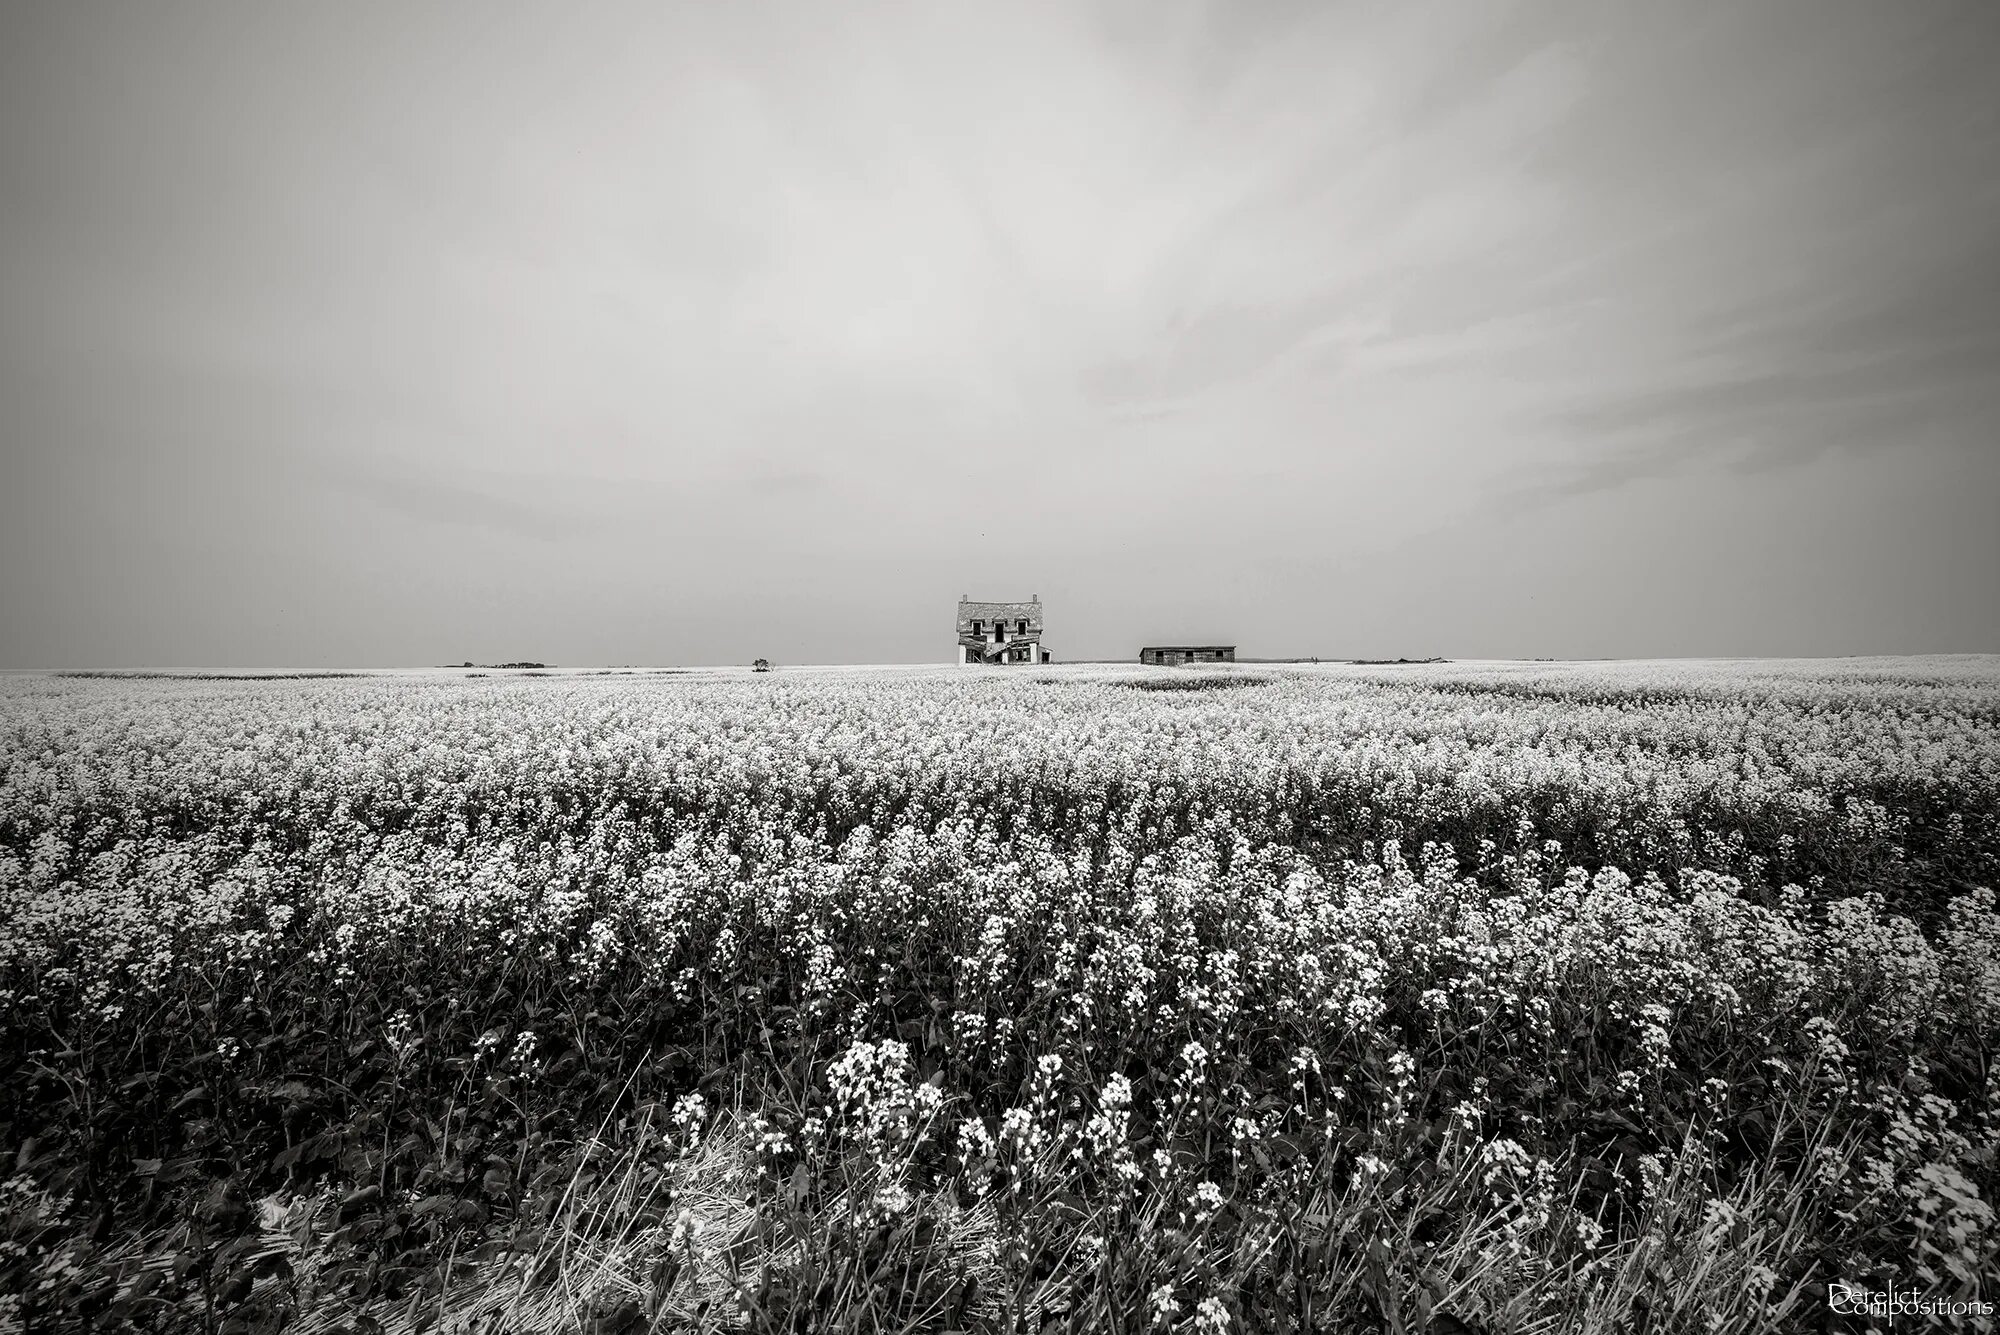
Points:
x=1210, y=1316
x=687, y=1228
x=974, y=1140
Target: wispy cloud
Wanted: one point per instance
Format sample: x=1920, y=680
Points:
x=433, y=501
x=1902, y=350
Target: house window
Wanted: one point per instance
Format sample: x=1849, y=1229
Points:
x=1021, y=626
x=979, y=629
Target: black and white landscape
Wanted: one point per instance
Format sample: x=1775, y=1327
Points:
x=1169, y=667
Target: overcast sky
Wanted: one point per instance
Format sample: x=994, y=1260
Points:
x=338, y=334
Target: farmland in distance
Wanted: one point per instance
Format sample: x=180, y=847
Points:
x=1517, y=996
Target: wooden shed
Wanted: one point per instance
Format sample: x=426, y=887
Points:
x=1173, y=655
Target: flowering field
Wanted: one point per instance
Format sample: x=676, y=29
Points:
x=1538, y=997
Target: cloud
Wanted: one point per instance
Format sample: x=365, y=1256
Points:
x=787, y=483
x=434, y=501
x=1889, y=357
x=1291, y=276
x=1318, y=240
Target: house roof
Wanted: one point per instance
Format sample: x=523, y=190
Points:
x=1184, y=648
x=969, y=611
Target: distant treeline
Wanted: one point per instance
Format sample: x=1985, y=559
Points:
x=211, y=676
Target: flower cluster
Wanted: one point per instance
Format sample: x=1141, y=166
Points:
x=1173, y=951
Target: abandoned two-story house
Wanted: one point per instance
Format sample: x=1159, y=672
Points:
x=1001, y=632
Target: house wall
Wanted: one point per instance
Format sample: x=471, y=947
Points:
x=986, y=627
x=972, y=650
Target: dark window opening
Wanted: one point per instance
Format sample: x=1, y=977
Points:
x=1021, y=627
x=978, y=628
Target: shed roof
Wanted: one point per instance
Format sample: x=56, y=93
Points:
x=1186, y=648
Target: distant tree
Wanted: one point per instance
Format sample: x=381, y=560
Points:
x=762, y=665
